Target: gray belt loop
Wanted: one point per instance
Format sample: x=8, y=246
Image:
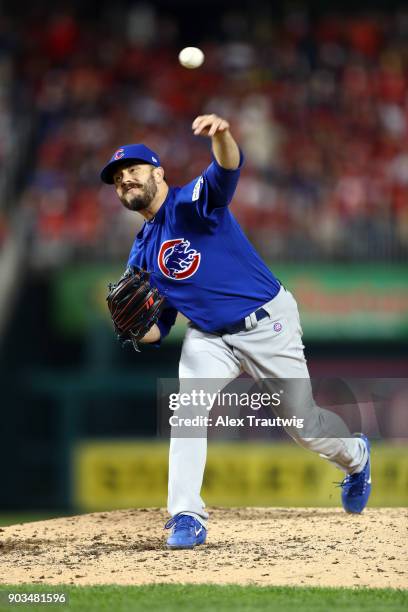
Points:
x=251, y=321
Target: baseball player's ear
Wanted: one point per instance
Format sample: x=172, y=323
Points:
x=159, y=172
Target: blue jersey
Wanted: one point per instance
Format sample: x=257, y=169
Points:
x=199, y=258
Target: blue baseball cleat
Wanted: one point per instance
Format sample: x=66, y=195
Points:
x=356, y=488
x=187, y=532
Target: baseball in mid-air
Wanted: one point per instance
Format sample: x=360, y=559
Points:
x=191, y=57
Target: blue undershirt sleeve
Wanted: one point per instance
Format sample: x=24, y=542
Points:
x=165, y=322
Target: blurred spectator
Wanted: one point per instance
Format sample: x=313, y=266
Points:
x=320, y=108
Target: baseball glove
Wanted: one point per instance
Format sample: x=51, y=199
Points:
x=134, y=306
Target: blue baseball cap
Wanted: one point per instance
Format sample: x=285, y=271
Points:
x=132, y=152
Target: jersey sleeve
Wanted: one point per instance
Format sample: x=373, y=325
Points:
x=221, y=184
x=208, y=193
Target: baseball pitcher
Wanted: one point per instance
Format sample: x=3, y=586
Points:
x=241, y=319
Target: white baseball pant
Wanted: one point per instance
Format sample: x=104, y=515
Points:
x=263, y=353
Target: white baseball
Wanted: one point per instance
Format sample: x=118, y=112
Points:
x=191, y=57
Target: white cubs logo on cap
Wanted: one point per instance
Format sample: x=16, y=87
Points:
x=154, y=159
x=119, y=153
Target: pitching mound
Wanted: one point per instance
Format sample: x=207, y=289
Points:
x=265, y=546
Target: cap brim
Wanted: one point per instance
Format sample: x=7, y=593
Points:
x=109, y=170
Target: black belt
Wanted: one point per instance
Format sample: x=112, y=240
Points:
x=240, y=325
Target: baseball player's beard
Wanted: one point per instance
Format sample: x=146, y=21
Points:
x=142, y=201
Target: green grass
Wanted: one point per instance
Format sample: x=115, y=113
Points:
x=212, y=598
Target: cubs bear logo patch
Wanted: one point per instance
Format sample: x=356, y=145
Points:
x=177, y=260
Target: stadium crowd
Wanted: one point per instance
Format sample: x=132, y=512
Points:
x=319, y=106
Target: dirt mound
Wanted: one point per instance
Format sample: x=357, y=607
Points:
x=265, y=546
